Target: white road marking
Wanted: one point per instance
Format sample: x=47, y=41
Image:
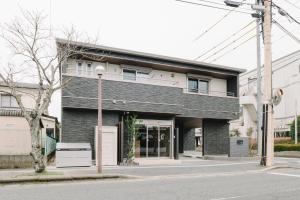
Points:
x=224, y=198
x=283, y=174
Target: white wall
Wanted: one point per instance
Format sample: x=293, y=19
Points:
x=286, y=75
x=15, y=136
x=217, y=87
x=28, y=95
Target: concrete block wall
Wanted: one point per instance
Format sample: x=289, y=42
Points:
x=15, y=161
x=239, y=147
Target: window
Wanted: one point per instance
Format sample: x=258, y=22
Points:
x=9, y=101
x=142, y=75
x=129, y=74
x=203, y=87
x=50, y=132
x=193, y=85
x=89, y=69
x=198, y=86
x=80, y=69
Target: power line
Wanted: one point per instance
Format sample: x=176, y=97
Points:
x=222, y=4
x=286, y=31
x=233, y=49
x=210, y=6
x=285, y=13
x=220, y=20
x=293, y=4
x=234, y=34
x=229, y=44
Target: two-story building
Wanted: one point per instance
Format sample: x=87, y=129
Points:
x=15, y=142
x=164, y=92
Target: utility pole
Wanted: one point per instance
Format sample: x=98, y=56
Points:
x=268, y=83
x=258, y=83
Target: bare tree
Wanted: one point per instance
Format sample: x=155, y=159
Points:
x=34, y=45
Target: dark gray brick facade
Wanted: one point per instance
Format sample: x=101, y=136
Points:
x=79, y=105
x=189, y=140
x=216, y=136
x=78, y=125
x=126, y=96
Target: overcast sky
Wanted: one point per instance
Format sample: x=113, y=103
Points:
x=165, y=27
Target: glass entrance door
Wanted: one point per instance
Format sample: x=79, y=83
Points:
x=152, y=140
x=164, y=141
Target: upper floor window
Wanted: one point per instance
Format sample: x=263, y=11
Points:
x=8, y=101
x=203, y=86
x=142, y=75
x=85, y=69
x=80, y=69
x=89, y=69
x=193, y=85
x=198, y=86
x=129, y=74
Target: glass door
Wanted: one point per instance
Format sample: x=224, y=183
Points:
x=152, y=141
x=141, y=142
x=164, y=141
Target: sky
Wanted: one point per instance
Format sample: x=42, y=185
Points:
x=165, y=27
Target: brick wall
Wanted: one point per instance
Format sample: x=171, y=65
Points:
x=216, y=137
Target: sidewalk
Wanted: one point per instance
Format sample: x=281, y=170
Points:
x=53, y=174
x=184, y=167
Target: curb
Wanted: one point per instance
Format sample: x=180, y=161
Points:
x=226, y=158
x=280, y=167
x=57, y=178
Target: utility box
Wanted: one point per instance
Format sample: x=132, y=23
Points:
x=239, y=147
x=73, y=155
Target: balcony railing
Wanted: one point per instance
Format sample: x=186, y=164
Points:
x=209, y=93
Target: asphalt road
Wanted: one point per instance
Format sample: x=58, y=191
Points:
x=247, y=183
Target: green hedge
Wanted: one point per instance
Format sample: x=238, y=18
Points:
x=287, y=147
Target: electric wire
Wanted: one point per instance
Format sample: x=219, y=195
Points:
x=285, y=13
x=293, y=4
x=291, y=35
x=219, y=21
x=229, y=44
x=233, y=49
x=210, y=6
x=222, y=4
x=222, y=42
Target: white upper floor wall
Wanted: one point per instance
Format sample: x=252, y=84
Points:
x=115, y=72
x=28, y=96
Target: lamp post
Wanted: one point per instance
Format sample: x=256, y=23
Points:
x=99, y=70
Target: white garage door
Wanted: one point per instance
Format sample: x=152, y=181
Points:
x=109, y=145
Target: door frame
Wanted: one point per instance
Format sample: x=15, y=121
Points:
x=158, y=124
x=158, y=141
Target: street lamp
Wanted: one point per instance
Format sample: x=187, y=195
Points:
x=99, y=70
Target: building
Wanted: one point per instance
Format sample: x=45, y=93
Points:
x=15, y=143
x=285, y=76
x=165, y=93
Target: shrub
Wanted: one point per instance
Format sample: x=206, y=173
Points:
x=284, y=140
x=286, y=147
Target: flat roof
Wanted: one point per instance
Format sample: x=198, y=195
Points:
x=151, y=56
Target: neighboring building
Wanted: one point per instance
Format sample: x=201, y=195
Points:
x=285, y=76
x=15, y=143
x=165, y=93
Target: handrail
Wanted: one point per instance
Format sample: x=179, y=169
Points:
x=50, y=145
